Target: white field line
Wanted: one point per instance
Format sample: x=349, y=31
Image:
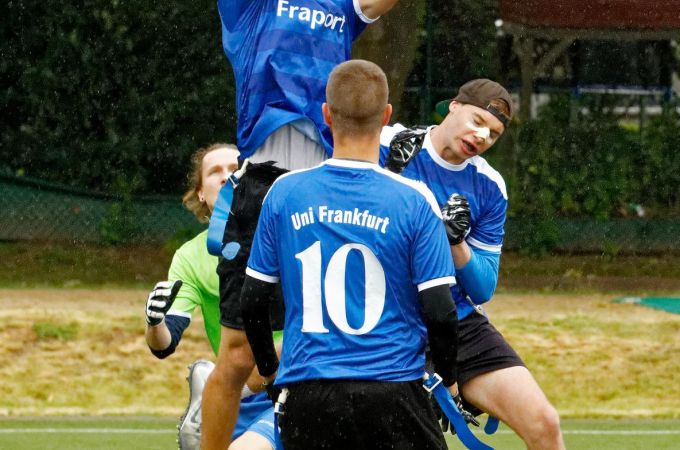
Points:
x=87, y=430
x=610, y=432
x=170, y=430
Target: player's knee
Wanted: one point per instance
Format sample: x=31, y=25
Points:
x=250, y=441
x=547, y=426
x=234, y=359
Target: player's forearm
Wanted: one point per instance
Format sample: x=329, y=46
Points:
x=255, y=300
x=158, y=338
x=479, y=275
x=376, y=8
x=441, y=320
x=163, y=338
x=461, y=254
x=255, y=380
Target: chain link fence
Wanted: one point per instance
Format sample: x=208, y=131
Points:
x=35, y=210
x=586, y=235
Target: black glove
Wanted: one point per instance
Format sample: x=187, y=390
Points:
x=404, y=146
x=445, y=424
x=456, y=216
x=160, y=300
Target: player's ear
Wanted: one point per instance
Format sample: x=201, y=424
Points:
x=387, y=114
x=326, y=111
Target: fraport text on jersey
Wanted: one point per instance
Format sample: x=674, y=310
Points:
x=340, y=216
x=315, y=17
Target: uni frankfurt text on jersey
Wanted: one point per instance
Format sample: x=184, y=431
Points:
x=340, y=216
x=314, y=17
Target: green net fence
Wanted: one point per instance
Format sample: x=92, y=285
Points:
x=586, y=235
x=35, y=210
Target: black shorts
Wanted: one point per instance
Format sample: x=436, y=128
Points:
x=245, y=211
x=482, y=348
x=357, y=415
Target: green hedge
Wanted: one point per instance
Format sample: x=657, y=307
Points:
x=112, y=94
x=591, y=166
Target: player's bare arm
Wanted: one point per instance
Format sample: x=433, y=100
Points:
x=256, y=382
x=158, y=303
x=376, y=8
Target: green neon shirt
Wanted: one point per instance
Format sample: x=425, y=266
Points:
x=197, y=269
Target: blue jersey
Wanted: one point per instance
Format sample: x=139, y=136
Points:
x=282, y=52
x=353, y=244
x=484, y=189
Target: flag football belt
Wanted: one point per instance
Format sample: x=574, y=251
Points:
x=433, y=384
x=279, y=410
x=220, y=215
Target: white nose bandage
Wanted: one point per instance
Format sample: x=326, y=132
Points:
x=480, y=132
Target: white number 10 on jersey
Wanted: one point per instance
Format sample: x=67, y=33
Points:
x=334, y=289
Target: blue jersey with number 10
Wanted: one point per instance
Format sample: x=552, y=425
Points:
x=352, y=244
x=282, y=52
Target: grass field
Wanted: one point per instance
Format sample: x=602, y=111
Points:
x=82, y=352
x=77, y=374
x=49, y=264
x=159, y=433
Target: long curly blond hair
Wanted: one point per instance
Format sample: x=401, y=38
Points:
x=190, y=198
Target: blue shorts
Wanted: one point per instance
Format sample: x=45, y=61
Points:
x=256, y=414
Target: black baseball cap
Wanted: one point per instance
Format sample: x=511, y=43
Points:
x=480, y=93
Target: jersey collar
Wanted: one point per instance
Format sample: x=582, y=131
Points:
x=350, y=163
x=427, y=143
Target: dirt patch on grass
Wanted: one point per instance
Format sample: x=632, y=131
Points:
x=595, y=358
x=104, y=367
x=66, y=351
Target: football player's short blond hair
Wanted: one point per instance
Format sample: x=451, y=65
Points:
x=356, y=95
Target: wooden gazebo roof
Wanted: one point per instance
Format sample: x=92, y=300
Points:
x=565, y=21
x=626, y=14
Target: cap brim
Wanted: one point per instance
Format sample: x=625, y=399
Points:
x=442, y=108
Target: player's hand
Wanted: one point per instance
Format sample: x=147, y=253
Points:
x=160, y=300
x=404, y=146
x=444, y=421
x=273, y=391
x=456, y=216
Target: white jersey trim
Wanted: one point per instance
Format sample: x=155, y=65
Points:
x=417, y=185
x=184, y=314
x=351, y=163
x=427, y=144
x=282, y=176
x=436, y=282
x=360, y=13
x=484, y=168
x=261, y=276
x=481, y=245
x=388, y=132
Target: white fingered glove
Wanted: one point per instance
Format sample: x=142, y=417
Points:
x=456, y=216
x=160, y=300
x=404, y=147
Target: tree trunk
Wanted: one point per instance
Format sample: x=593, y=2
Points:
x=392, y=43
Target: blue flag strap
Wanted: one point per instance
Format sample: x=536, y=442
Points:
x=279, y=410
x=220, y=215
x=278, y=445
x=433, y=384
x=491, y=425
